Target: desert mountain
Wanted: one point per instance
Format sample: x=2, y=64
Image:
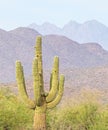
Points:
x=46, y=28
x=19, y=44
x=90, y=31
x=13, y=47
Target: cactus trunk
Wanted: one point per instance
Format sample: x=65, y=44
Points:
x=42, y=100
x=39, y=121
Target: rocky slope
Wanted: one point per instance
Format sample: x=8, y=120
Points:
x=19, y=44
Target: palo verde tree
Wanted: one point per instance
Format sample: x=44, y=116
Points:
x=42, y=100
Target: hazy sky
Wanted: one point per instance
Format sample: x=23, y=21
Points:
x=14, y=13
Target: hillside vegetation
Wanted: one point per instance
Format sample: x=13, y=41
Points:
x=85, y=111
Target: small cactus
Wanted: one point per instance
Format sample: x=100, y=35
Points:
x=42, y=100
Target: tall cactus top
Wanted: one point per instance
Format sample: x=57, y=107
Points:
x=41, y=99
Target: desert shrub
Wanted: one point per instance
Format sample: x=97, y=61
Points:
x=82, y=113
x=83, y=117
x=13, y=113
x=80, y=117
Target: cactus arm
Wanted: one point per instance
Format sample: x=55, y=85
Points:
x=21, y=85
x=50, y=81
x=59, y=95
x=36, y=85
x=54, y=85
x=38, y=55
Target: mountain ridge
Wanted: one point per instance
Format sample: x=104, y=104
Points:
x=19, y=43
x=89, y=31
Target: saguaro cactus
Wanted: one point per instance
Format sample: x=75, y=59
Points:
x=42, y=100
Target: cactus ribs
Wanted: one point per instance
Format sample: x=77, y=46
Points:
x=42, y=100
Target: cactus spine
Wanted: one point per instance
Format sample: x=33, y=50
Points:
x=42, y=100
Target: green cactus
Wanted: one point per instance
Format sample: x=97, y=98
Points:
x=42, y=100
